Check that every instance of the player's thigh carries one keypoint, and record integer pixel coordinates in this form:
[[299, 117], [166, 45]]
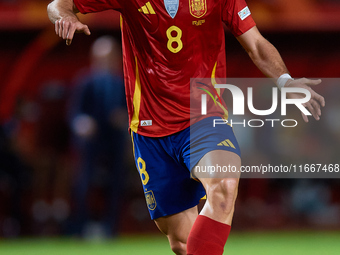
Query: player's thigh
[[221, 187], [218, 164], [177, 226], [224, 177]]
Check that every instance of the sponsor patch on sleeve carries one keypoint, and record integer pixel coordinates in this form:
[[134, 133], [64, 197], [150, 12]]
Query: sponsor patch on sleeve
[[244, 13]]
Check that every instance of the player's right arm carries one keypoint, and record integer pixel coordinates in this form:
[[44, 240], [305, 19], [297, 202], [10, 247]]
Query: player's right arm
[[63, 14]]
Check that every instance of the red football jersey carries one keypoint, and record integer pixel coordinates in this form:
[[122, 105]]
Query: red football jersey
[[165, 44]]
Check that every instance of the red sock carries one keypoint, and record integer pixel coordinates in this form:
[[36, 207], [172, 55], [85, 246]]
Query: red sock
[[207, 237]]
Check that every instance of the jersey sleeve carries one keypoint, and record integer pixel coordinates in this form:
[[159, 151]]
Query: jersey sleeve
[[236, 15], [87, 6]]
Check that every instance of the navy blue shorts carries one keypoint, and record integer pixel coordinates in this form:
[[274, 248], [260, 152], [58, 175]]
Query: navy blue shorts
[[164, 164]]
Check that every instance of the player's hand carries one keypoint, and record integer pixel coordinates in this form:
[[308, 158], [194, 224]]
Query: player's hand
[[66, 27], [315, 103]]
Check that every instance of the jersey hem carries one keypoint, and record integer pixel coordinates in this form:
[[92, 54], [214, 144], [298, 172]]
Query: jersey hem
[[160, 135]]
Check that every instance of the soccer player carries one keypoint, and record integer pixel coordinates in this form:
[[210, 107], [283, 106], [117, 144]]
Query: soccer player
[[165, 43]]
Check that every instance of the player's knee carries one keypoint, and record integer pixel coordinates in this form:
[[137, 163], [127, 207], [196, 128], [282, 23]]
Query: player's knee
[[229, 187], [178, 247], [225, 187], [223, 193]]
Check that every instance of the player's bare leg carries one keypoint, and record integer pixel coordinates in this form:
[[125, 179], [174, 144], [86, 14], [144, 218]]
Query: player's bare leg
[[221, 192], [211, 229], [177, 228]]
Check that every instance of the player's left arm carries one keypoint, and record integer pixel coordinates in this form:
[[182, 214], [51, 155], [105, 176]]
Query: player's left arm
[[266, 57]]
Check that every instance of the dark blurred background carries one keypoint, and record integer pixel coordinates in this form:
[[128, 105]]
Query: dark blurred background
[[58, 176]]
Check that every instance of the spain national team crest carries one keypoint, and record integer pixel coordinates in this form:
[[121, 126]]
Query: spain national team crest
[[198, 8], [150, 200]]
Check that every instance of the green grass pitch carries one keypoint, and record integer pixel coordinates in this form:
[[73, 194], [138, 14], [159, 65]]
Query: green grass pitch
[[262, 243]]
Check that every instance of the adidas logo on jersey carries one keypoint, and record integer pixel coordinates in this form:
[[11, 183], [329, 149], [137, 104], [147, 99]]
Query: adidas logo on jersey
[[227, 143], [145, 123], [147, 9]]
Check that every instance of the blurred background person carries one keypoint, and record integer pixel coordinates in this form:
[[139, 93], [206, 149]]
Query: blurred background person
[[98, 119]]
